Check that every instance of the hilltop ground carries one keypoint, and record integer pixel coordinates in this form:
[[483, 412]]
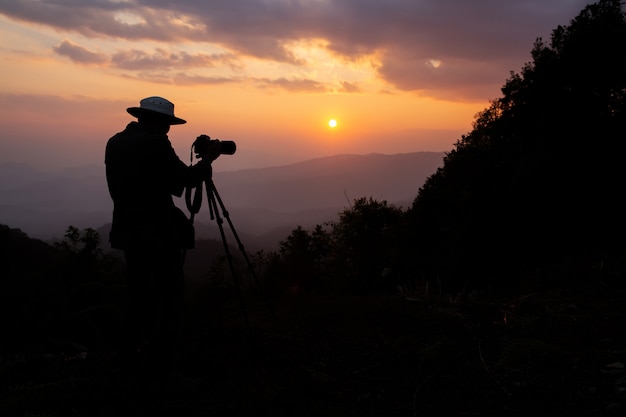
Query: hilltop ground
[[558, 353]]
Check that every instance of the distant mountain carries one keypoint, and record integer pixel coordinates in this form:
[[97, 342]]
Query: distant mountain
[[329, 182], [262, 203]]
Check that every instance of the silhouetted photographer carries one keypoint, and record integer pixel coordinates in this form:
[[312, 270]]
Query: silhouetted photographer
[[143, 173]]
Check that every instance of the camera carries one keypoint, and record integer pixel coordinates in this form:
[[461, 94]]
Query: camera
[[201, 145]]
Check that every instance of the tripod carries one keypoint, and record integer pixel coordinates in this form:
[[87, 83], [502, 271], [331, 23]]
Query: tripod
[[214, 200]]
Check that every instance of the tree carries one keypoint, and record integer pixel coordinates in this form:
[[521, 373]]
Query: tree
[[367, 238], [86, 244], [539, 177], [346, 256], [301, 263]]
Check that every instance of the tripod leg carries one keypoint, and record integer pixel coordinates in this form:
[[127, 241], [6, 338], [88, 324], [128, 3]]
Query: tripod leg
[[216, 198], [229, 258]]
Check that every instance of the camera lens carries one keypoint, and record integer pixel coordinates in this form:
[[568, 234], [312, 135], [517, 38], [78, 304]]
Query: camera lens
[[227, 147]]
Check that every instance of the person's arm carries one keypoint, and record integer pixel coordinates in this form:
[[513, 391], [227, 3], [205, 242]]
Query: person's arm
[[183, 175]]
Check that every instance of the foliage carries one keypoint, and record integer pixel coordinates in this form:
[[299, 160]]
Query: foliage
[[348, 255], [86, 243], [84, 256], [367, 237], [538, 179], [50, 291]]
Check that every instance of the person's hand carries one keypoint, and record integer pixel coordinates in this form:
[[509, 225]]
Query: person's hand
[[204, 169]]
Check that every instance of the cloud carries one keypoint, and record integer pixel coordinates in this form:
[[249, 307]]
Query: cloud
[[187, 79], [180, 78], [155, 67], [108, 18], [79, 54], [295, 85], [475, 43], [347, 87], [140, 60], [459, 78]]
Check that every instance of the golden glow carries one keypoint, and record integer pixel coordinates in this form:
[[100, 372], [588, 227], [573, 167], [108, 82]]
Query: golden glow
[[275, 111]]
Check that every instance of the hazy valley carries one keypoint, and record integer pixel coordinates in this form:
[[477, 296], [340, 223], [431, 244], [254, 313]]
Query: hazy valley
[[264, 204]]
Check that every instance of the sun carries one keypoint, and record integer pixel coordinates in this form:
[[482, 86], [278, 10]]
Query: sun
[[332, 123]]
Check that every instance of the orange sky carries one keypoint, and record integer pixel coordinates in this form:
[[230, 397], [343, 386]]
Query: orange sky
[[398, 76]]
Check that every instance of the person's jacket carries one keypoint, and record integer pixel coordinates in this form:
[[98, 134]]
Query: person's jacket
[[143, 172]]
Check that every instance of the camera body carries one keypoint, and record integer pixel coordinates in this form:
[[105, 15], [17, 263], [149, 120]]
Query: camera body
[[202, 143]]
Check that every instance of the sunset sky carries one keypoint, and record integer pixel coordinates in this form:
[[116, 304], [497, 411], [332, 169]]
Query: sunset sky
[[397, 75]]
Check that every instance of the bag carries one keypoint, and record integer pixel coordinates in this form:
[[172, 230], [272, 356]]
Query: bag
[[184, 229]]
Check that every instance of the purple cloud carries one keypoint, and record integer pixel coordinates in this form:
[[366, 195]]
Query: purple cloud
[[293, 85], [476, 43], [161, 58], [79, 54]]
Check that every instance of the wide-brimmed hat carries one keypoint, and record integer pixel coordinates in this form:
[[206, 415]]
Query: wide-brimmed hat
[[159, 106]]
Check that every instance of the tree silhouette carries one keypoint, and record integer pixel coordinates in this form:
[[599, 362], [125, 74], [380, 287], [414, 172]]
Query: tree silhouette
[[538, 179], [344, 256], [367, 237]]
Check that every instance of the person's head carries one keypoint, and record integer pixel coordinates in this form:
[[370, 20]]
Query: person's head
[[156, 113]]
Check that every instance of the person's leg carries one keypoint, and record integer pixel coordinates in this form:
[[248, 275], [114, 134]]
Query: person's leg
[[169, 295], [140, 303]]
